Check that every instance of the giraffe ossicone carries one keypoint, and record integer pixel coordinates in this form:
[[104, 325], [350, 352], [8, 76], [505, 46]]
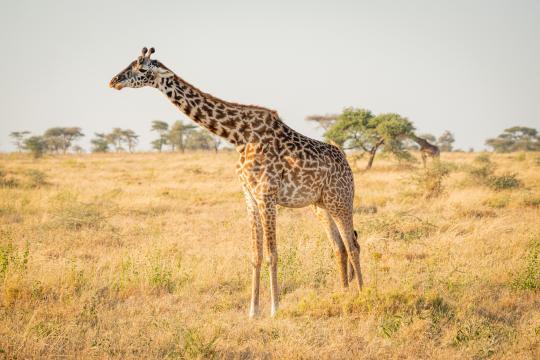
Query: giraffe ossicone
[[277, 166]]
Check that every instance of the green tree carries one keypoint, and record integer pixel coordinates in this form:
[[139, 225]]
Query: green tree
[[18, 139], [177, 135], [61, 138], [100, 143], [36, 145], [131, 139], [161, 128], [516, 138], [446, 141], [324, 121], [116, 138], [199, 140], [360, 129], [215, 142]]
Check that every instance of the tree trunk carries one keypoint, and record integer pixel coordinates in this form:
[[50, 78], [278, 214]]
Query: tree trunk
[[372, 154], [371, 158]]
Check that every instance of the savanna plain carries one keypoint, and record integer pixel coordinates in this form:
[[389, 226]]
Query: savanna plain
[[148, 256]]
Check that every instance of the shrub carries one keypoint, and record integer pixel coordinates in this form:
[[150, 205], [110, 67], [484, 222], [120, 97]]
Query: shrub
[[12, 260], [69, 213], [497, 202], [504, 181], [36, 178], [429, 181], [7, 180], [529, 278], [482, 159], [481, 172]]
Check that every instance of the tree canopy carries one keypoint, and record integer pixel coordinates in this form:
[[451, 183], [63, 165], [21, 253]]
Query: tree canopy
[[516, 138], [446, 141], [358, 128]]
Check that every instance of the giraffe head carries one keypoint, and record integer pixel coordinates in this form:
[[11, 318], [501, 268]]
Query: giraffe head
[[141, 72]]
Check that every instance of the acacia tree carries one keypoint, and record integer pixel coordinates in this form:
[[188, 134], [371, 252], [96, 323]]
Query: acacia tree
[[215, 142], [61, 138], [516, 138], [18, 139], [199, 140], [446, 141], [360, 129], [324, 121], [177, 135], [116, 138], [36, 145], [161, 128], [100, 143], [131, 139]]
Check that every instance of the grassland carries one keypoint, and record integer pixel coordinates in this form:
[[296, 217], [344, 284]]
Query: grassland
[[147, 256]]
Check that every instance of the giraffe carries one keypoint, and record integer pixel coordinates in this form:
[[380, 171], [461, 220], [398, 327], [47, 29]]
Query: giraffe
[[277, 166], [426, 149]]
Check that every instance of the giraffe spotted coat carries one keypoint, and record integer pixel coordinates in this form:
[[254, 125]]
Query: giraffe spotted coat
[[277, 166]]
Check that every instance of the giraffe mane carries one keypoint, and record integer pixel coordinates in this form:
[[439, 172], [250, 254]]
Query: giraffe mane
[[214, 98]]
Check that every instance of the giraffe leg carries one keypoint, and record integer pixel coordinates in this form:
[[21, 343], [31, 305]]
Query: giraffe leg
[[267, 211], [256, 252], [424, 159], [350, 265], [344, 224], [333, 234]]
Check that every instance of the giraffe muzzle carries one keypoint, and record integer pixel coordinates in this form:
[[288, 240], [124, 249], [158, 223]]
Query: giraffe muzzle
[[115, 84]]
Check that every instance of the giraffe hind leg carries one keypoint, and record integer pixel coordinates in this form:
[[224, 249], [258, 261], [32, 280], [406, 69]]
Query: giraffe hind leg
[[350, 266]]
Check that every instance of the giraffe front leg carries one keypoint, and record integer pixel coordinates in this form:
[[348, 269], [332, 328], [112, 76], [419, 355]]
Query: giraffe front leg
[[343, 219], [333, 234], [267, 211], [256, 252]]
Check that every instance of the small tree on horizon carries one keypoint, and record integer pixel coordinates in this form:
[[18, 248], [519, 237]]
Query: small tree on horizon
[[177, 135], [100, 143], [323, 121], [516, 138], [116, 138], [36, 145], [161, 128], [199, 139], [18, 139], [131, 139], [61, 138], [446, 141]]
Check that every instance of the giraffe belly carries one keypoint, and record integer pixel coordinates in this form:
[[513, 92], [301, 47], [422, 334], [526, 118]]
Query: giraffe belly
[[298, 195]]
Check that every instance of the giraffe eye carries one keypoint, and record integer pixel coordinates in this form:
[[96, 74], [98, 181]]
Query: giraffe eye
[[143, 70]]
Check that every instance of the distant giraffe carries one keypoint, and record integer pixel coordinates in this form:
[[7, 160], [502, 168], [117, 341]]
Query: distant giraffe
[[277, 166], [426, 149]]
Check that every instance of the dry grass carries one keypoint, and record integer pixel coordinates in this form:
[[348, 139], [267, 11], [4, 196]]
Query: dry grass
[[147, 256]]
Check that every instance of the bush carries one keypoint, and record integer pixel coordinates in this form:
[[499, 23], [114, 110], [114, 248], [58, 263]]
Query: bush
[[6, 180], [429, 181], [36, 178], [504, 182], [69, 213], [483, 173], [529, 278], [482, 159]]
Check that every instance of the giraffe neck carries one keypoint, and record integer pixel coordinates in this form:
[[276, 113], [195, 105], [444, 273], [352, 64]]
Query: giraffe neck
[[236, 123], [419, 141]]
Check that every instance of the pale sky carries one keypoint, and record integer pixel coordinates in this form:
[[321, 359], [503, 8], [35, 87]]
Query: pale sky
[[472, 67]]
